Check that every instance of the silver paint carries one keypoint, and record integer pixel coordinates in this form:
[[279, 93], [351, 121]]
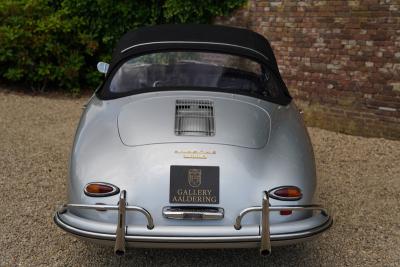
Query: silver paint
[[130, 142]]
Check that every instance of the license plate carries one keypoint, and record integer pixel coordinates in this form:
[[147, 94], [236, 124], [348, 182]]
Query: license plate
[[194, 185]]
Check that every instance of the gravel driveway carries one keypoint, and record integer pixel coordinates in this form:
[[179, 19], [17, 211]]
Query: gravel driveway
[[359, 181]]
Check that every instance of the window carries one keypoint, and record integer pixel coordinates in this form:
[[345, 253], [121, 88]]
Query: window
[[183, 70]]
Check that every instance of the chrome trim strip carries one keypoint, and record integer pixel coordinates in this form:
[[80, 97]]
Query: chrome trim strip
[[189, 42], [265, 247], [119, 248], [193, 213]]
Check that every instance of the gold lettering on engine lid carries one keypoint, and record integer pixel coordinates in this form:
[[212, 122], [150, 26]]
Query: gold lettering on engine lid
[[195, 154]]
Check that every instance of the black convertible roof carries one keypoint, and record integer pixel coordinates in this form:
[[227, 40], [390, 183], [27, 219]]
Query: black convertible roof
[[199, 37], [211, 38]]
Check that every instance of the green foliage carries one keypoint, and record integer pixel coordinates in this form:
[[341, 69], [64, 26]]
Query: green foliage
[[57, 43]]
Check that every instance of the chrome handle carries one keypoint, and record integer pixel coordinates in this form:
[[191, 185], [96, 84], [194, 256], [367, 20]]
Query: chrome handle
[[193, 213]]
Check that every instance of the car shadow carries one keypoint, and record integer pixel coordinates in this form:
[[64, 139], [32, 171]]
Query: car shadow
[[288, 255]]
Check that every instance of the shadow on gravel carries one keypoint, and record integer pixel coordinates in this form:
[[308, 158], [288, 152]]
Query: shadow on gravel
[[289, 255]]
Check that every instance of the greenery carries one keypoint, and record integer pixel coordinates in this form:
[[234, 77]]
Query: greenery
[[57, 43]]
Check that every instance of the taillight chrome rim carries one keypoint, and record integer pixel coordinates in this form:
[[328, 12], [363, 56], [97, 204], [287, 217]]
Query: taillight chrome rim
[[273, 193], [113, 190]]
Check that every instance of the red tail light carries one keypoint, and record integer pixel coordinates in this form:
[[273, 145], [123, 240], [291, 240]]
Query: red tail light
[[100, 190], [290, 193], [285, 212]]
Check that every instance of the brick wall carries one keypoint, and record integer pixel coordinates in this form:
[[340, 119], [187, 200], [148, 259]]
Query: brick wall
[[339, 59]]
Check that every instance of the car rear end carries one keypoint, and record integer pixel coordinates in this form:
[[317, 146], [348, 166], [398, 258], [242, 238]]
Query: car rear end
[[193, 170]]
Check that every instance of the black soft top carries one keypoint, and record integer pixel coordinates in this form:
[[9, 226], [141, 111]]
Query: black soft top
[[194, 36], [212, 38]]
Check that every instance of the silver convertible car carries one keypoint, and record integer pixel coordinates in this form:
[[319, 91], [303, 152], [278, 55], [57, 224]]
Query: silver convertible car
[[192, 141]]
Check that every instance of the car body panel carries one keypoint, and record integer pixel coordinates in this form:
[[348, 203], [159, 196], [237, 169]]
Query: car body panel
[[232, 115], [99, 155]]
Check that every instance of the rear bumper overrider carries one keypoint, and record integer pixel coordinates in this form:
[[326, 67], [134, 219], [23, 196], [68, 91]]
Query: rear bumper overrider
[[321, 222]]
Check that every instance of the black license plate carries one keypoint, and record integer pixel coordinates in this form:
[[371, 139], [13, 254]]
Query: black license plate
[[194, 185]]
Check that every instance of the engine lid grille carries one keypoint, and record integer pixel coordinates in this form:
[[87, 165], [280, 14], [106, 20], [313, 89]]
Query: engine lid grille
[[194, 118]]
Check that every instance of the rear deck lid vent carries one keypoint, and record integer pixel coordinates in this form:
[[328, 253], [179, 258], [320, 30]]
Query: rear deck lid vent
[[194, 118]]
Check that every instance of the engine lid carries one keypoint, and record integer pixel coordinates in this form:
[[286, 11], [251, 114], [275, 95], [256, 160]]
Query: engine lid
[[166, 119]]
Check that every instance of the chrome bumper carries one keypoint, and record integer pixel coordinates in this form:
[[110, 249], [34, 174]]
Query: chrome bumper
[[264, 240]]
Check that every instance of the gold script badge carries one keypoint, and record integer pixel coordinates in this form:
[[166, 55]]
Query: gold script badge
[[195, 154]]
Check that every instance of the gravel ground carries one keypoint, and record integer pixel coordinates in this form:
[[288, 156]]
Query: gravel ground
[[359, 180]]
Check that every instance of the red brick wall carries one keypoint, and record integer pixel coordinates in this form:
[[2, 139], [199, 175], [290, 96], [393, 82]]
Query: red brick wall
[[339, 59]]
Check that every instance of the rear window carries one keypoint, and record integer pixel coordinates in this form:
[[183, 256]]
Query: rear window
[[182, 70]]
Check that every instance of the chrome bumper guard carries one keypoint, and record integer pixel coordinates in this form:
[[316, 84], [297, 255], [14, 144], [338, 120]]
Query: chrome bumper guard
[[122, 207], [265, 247]]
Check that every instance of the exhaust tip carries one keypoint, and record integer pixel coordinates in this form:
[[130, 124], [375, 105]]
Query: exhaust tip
[[119, 252], [265, 252]]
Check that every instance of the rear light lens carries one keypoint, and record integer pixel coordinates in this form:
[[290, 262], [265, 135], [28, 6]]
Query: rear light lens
[[100, 189], [285, 212], [290, 193]]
